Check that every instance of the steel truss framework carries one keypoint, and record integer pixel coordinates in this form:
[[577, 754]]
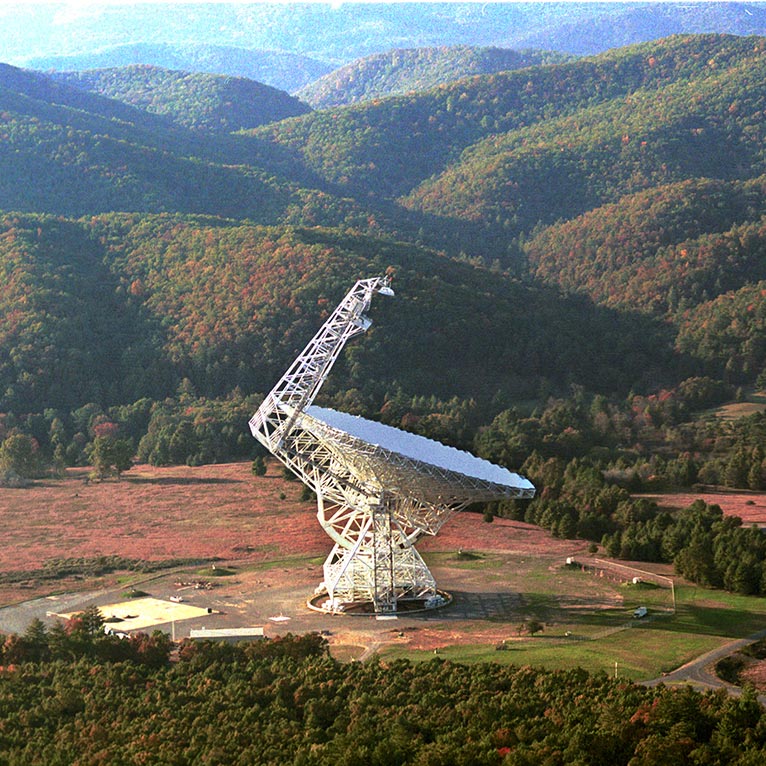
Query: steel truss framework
[[373, 502]]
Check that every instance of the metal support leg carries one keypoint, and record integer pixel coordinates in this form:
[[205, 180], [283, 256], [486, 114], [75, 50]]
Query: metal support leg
[[384, 585]]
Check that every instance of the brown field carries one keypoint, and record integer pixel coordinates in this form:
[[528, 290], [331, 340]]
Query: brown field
[[215, 511], [470, 532], [755, 402], [749, 506], [156, 514]]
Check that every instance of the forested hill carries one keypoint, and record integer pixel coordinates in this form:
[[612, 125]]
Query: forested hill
[[472, 164], [402, 71], [453, 139], [67, 151], [661, 250], [128, 306], [199, 101], [706, 122], [641, 167]]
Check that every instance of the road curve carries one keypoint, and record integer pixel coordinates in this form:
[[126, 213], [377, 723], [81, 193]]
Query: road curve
[[697, 673]]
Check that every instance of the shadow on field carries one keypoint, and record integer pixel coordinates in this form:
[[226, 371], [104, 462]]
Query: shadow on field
[[178, 480], [467, 605], [502, 606], [710, 620], [590, 610]]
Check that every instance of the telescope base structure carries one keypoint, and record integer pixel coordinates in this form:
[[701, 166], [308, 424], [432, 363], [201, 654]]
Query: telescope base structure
[[379, 489], [318, 603], [374, 563]]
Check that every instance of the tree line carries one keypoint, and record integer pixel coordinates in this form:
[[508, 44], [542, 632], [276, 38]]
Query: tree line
[[590, 458], [72, 694]]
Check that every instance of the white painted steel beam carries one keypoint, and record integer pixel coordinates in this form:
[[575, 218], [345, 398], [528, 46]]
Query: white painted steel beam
[[378, 489]]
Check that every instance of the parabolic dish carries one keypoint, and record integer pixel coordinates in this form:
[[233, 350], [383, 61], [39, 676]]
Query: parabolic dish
[[420, 449]]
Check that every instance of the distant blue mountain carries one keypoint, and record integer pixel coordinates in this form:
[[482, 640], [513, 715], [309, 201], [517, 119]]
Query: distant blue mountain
[[286, 71], [288, 45], [629, 23]]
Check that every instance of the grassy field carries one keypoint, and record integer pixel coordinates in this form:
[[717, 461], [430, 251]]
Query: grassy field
[[604, 638], [502, 574], [752, 403], [638, 655]]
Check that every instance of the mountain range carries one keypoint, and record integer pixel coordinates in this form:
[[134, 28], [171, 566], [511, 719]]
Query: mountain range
[[402, 71], [586, 221], [288, 45]]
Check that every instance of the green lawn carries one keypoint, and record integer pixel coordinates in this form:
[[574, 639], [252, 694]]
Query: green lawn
[[588, 624], [638, 654]]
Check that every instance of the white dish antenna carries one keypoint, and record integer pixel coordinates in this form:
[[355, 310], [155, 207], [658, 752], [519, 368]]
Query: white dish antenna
[[379, 489], [426, 452]]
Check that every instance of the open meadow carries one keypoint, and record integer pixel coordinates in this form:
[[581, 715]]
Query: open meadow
[[152, 515], [749, 506], [752, 403], [504, 576]]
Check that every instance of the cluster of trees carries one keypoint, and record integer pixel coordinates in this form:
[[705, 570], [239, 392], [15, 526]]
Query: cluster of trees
[[588, 457], [84, 636], [285, 701], [176, 430], [719, 552], [89, 635], [621, 435], [195, 432], [704, 546], [20, 459]]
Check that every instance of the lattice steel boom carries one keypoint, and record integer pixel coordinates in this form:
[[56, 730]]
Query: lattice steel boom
[[378, 489]]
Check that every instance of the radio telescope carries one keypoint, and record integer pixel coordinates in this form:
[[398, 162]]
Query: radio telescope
[[379, 489]]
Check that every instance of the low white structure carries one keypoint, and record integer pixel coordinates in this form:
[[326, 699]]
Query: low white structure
[[227, 634]]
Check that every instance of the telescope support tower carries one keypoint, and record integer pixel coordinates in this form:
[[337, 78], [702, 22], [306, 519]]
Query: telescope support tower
[[373, 501]]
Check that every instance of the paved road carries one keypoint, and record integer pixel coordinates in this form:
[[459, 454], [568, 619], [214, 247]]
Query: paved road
[[697, 673]]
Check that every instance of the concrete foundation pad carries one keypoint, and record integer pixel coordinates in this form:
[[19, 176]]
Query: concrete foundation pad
[[140, 613]]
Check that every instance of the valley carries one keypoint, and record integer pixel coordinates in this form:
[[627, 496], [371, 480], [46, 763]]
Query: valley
[[260, 548], [570, 202]]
